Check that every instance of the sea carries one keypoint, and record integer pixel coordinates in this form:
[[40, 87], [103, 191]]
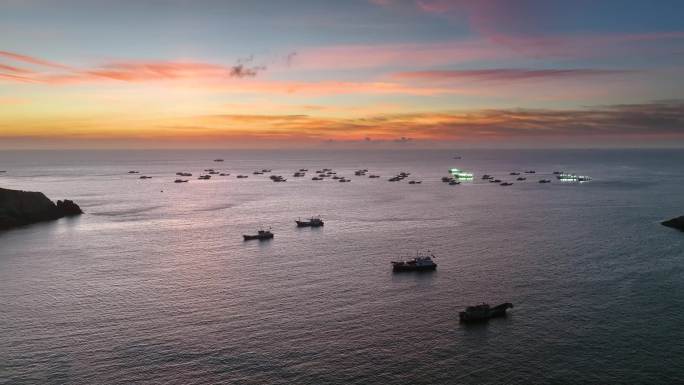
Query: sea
[[155, 284]]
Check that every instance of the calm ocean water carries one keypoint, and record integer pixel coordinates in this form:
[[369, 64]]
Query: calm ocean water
[[155, 284]]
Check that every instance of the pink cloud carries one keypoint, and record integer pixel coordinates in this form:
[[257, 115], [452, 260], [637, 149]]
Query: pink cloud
[[168, 70], [212, 77], [9, 68], [31, 60], [494, 48], [17, 78], [126, 71], [522, 26]]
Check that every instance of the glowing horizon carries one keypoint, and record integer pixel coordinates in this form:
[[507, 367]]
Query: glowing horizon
[[380, 72]]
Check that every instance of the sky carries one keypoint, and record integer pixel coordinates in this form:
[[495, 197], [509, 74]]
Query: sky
[[354, 73]]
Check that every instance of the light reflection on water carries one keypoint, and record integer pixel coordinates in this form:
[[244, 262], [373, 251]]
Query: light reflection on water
[[160, 287]]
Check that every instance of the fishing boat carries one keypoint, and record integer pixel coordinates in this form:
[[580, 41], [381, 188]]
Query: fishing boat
[[261, 235], [422, 262], [312, 222], [483, 312], [460, 174], [564, 177]]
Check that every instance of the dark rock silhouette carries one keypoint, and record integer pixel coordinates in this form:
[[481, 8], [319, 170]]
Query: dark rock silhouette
[[19, 208], [675, 223]]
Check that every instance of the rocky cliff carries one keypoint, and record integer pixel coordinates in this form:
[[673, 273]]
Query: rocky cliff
[[19, 208], [676, 223]]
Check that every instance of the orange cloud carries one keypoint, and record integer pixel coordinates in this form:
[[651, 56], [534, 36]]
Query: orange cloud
[[652, 120]]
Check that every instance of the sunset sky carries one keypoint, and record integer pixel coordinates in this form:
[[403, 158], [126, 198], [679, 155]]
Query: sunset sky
[[315, 73]]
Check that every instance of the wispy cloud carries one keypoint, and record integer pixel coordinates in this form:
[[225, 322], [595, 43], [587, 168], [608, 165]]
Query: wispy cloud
[[127, 71], [9, 68], [506, 74], [527, 28], [211, 76], [31, 60], [492, 49], [402, 55], [136, 71], [242, 71]]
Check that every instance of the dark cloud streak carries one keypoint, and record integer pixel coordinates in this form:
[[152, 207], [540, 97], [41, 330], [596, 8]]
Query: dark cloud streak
[[507, 74]]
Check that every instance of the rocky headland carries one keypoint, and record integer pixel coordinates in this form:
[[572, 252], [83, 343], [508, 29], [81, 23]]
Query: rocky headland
[[20, 208], [675, 223]]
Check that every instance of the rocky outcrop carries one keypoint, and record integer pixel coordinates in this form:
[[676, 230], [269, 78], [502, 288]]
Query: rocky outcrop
[[675, 223], [19, 208]]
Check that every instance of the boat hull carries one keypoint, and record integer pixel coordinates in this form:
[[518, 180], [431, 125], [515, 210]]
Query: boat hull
[[257, 237], [483, 316], [404, 268], [308, 224]]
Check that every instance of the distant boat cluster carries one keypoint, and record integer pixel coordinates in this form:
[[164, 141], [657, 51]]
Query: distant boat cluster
[[455, 176]]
